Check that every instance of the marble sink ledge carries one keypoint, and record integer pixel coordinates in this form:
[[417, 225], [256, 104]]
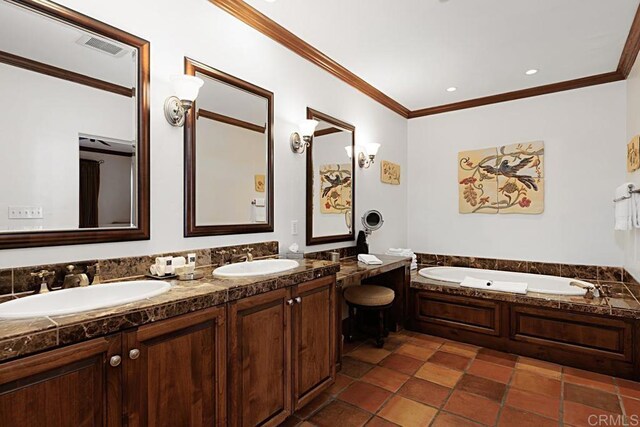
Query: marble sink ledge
[[21, 337]]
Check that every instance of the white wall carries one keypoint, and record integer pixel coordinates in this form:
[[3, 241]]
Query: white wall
[[583, 132], [632, 239], [212, 36], [227, 160], [39, 143]]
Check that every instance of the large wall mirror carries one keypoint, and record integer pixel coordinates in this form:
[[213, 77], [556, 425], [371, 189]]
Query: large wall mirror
[[330, 181], [228, 156], [75, 131]]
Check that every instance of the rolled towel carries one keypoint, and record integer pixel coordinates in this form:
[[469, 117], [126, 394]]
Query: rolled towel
[[635, 209], [623, 208], [369, 259], [492, 285]]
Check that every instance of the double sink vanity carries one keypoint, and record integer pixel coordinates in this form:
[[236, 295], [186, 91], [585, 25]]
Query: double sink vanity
[[243, 346]]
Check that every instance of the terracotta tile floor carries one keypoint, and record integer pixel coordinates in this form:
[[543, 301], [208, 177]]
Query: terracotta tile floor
[[420, 380]]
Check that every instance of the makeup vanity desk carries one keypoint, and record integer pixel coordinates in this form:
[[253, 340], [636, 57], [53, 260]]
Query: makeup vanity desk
[[394, 273]]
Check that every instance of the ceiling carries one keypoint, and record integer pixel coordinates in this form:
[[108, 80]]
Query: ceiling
[[413, 50]]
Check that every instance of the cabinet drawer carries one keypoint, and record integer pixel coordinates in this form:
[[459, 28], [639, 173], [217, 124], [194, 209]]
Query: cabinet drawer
[[458, 312], [594, 335]]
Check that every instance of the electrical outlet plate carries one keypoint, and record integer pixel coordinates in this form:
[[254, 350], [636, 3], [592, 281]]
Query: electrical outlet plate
[[25, 212]]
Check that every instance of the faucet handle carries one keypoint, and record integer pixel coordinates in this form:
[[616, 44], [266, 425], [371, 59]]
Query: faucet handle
[[43, 274], [70, 268], [247, 249]]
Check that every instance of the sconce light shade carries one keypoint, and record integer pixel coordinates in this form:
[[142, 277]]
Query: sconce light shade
[[186, 87], [368, 154], [372, 148], [301, 140], [186, 90], [349, 151]]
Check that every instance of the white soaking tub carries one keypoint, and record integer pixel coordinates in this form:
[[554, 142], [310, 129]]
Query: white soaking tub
[[539, 283]]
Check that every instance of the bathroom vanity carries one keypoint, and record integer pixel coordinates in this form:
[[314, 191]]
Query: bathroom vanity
[[246, 351]]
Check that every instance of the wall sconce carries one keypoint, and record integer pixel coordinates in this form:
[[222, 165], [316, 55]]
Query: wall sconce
[[301, 140], [186, 90], [368, 154]]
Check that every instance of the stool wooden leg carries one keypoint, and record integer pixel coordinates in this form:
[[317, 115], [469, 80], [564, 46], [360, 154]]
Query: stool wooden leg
[[352, 323], [380, 340]]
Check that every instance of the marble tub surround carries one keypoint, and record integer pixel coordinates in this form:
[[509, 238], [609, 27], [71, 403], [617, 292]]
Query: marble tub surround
[[18, 280], [28, 336], [623, 301], [574, 271], [353, 272]]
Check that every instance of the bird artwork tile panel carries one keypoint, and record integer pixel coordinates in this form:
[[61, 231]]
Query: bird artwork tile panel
[[507, 180], [335, 188]]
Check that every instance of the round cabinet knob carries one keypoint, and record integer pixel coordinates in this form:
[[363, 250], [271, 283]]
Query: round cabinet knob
[[289, 302], [298, 300], [134, 354], [115, 361]]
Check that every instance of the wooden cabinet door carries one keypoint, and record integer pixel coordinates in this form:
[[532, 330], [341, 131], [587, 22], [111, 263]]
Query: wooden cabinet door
[[260, 359], [314, 339], [175, 371], [71, 386]]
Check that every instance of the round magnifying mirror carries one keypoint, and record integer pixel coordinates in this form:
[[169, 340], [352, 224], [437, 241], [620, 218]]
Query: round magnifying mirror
[[372, 220]]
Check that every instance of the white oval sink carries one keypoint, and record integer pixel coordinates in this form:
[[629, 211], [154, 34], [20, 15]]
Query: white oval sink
[[76, 300], [256, 268]]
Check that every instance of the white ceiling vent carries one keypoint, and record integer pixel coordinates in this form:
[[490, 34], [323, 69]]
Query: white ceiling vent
[[101, 45]]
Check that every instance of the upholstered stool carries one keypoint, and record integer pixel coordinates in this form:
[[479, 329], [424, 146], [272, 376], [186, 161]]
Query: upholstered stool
[[368, 298]]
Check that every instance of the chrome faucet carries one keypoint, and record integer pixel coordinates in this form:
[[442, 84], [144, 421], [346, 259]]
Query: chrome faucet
[[72, 280], [43, 274]]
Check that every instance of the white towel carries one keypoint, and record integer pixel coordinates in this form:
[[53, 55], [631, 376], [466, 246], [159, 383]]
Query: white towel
[[259, 210], [491, 285], [623, 208], [635, 209], [408, 253], [369, 259]]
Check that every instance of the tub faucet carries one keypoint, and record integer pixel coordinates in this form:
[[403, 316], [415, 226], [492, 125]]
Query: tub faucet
[[592, 291], [42, 275]]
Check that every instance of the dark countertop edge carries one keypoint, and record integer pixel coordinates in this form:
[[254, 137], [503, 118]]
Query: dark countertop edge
[[389, 263], [540, 300], [51, 335]]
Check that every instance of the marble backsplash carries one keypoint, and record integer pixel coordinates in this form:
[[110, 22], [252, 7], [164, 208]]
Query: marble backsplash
[[574, 271], [346, 252], [18, 280]]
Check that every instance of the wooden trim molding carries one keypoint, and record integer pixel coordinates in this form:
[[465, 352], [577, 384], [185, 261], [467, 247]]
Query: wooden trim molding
[[206, 114], [631, 47], [519, 94], [105, 151], [278, 33], [273, 30], [327, 131], [61, 73]]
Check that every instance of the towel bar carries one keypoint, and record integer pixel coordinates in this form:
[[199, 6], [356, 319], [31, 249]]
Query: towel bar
[[631, 191]]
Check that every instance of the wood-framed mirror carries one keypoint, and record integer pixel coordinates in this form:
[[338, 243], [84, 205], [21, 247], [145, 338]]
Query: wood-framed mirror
[[228, 163], [330, 181], [75, 163]]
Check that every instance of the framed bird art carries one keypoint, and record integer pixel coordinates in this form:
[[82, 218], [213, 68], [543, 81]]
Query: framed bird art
[[506, 180], [335, 188]]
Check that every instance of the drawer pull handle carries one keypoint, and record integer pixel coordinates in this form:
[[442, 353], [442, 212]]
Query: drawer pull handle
[[115, 361], [134, 354], [289, 302], [298, 300]]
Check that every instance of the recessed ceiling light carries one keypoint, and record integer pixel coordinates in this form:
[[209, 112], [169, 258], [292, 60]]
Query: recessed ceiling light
[[531, 72], [452, 89]]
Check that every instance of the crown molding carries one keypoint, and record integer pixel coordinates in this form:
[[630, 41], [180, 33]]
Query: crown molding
[[278, 33]]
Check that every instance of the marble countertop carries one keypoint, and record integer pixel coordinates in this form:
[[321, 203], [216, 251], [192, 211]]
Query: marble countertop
[[352, 271], [27, 336], [623, 301]]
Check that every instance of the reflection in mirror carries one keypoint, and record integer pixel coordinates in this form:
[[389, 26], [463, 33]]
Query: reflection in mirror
[[71, 137], [229, 156], [330, 181]]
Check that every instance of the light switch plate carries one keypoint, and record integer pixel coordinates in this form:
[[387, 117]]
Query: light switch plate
[[294, 227], [25, 212]]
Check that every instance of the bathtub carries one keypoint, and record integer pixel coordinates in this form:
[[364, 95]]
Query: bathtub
[[539, 283]]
